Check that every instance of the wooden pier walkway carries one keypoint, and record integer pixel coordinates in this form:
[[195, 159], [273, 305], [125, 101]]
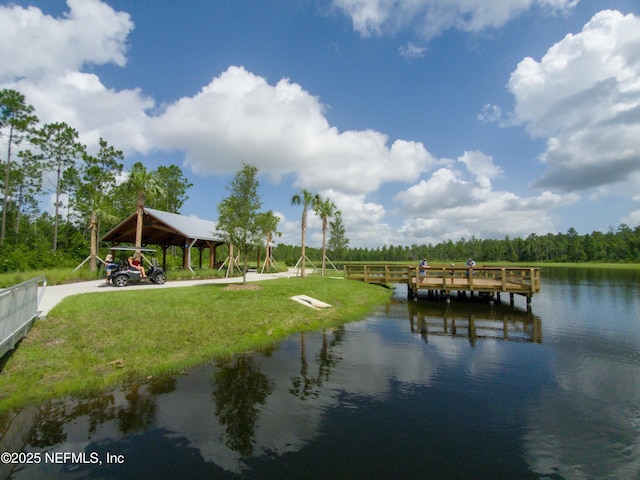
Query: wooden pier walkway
[[445, 279]]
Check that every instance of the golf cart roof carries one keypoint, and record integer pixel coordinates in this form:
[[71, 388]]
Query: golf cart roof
[[132, 249]]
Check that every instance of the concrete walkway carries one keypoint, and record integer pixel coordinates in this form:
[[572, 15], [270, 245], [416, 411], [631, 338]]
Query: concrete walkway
[[55, 293]]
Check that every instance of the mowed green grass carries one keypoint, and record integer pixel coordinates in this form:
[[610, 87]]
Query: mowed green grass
[[93, 341]]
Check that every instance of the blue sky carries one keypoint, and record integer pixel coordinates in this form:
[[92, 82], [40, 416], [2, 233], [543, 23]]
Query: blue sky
[[423, 120]]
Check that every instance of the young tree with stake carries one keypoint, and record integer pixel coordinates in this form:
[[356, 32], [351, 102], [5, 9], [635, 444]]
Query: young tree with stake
[[239, 219]]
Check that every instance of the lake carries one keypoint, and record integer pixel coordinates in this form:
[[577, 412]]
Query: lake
[[419, 389]]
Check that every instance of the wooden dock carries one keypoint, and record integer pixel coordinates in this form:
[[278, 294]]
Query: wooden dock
[[443, 280]]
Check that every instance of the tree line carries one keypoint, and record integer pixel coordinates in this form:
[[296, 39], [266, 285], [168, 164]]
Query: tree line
[[91, 193], [621, 244]]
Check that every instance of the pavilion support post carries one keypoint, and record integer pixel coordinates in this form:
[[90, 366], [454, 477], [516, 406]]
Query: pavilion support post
[[212, 255], [164, 257]]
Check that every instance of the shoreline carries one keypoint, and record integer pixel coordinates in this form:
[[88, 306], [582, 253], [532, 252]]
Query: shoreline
[[86, 345]]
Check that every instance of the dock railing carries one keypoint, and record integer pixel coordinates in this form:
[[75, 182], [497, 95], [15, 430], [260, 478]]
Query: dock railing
[[491, 279], [18, 310], [378, 273], [520, 280]]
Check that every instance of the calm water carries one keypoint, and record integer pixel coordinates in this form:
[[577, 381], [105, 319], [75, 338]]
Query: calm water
[[418, 390]]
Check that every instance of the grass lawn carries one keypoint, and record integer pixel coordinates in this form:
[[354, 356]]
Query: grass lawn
[[93, 341]]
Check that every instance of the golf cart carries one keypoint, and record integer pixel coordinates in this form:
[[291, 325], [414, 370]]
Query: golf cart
[[121, 273]]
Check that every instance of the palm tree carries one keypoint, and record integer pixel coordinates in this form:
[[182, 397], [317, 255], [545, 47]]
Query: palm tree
[[325, 209], [269, 224], [306, 199], [145, 186]]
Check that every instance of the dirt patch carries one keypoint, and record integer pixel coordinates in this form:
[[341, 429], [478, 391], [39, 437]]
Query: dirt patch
[[248, 286], [54, 343]]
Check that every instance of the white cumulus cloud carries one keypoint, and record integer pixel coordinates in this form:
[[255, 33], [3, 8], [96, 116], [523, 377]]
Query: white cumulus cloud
[[32, 43], [281, 128], [583, 96], [432, 17], [461, 202], [43, 57]]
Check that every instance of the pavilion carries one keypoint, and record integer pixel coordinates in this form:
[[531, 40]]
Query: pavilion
[[165, 230]]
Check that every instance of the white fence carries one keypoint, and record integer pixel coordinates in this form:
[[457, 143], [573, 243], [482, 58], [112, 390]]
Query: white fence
[[18, 310]]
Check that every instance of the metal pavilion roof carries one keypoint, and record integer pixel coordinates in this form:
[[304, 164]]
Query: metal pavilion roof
[[165, 229]]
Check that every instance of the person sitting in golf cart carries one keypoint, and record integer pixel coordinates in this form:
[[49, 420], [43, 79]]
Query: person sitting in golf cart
[[134, 262]]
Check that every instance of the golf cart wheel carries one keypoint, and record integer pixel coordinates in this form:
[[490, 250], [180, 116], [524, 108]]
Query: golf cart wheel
[[120, 281], [160, 279]]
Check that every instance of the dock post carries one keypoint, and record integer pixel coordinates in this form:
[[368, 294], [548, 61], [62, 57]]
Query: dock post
[[511, 299]]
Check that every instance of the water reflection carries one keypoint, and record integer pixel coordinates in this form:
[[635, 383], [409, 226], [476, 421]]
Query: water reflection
[[133, 413], [585, 423], [307, 385], [239, 387], [473, 321], [418, 390], [78, 421]]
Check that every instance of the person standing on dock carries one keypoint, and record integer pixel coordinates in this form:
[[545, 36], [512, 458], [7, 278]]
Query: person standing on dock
[[470, 265], [423, 269]]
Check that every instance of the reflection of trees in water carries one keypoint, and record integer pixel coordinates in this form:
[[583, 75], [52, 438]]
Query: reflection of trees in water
[[52, 416], [269, 350], [303, 386], [327, 358], [139, 410], [162, 384], [49, 430], [239, 387], [307, 386]]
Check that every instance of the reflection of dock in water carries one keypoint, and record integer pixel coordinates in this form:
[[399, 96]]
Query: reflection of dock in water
[[474, 322]]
